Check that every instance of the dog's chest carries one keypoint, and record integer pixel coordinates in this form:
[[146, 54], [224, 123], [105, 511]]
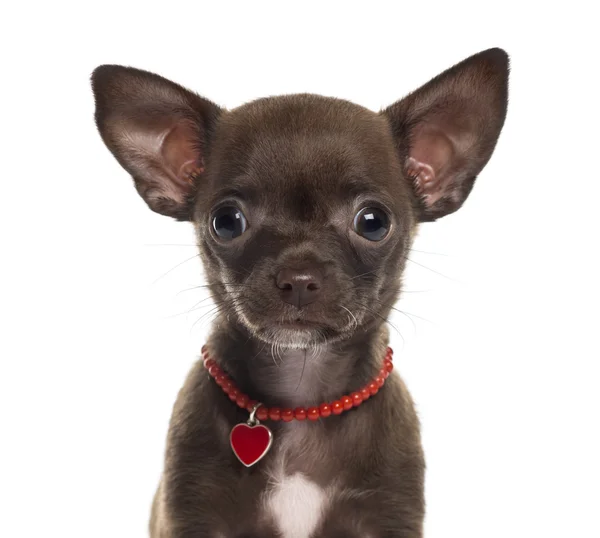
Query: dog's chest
[[295, 504], [292, 499], [301, 491]]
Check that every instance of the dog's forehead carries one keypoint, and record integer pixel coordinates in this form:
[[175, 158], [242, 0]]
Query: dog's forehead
[[304, 144], [306, 138]]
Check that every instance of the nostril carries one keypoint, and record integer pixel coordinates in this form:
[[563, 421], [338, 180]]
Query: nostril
[[299, 287]]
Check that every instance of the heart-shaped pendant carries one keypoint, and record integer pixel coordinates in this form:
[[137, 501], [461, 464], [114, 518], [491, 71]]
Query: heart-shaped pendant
[[251, 441]]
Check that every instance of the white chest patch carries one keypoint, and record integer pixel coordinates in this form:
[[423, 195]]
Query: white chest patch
[[296, 504]]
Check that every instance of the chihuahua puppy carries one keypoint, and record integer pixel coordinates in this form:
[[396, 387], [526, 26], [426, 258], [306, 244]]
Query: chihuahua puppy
[[305, 208]]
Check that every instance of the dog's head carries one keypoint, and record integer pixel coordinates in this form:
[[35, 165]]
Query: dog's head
[[304, 206]]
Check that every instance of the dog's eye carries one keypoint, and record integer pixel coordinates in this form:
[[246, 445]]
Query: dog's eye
[[372, 223], [229, 222]]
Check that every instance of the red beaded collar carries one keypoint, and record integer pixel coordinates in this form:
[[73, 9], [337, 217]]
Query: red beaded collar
[[250, 441]]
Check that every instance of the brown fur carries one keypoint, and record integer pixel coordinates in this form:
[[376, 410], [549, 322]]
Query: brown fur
[[299, 167]]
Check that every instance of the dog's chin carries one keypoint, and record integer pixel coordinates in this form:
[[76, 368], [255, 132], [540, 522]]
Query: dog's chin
[[299, 335], [292, 337]]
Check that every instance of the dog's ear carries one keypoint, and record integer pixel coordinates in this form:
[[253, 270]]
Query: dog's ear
[[446, 130], [158, 131]]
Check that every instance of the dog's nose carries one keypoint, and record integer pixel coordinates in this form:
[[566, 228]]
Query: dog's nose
[[300, 286]]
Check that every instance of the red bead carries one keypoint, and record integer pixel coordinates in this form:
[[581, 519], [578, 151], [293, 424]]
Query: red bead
[[373, 388], [250, 406], [380, 381], [312, 413], [390, 351], [299, 413], [203, 348], [356, 398], [346, 402], [365, 393], [275, 413], [233, 394], [388, 366], [325, 410], [214, 370], [262, 413], [208, 363], [220, 379], [242, 400], [228, 386], [337, 407], [287, 415]]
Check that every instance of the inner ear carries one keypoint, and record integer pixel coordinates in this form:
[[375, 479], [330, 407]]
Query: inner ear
[[183, 160], [428, 164], [165, 159]]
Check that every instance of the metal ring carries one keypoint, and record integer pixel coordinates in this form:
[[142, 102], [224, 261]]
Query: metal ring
[[253, 421]]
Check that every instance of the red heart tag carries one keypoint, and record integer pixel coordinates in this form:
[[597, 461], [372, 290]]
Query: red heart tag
[[250, 443]]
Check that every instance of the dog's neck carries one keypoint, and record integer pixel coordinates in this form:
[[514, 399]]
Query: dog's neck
[[287, 377]]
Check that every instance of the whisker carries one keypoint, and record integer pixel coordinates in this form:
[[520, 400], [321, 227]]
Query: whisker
[[384, 319], [173, 268], [168, 245], [260, 351], [353, 316], [275, 353], [316, 347], [430, 269], [391, 305], [427, 252], [408, 317], [192, 309], [208, 286], [216, 309], [411, 314], [213, 313], [413, 291], [240, 273], [369, 288], [302, 372], [364, 274]]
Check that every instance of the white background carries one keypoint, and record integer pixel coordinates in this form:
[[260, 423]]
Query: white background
[[503, 357]]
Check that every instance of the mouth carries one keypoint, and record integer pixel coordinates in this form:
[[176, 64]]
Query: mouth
[[300, 333], [300, 324]]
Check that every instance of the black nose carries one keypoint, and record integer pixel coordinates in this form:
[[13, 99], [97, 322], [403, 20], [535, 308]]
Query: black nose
[[300, 286]]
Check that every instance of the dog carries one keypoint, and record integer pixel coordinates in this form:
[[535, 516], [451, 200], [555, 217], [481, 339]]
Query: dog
[[291, 424]]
